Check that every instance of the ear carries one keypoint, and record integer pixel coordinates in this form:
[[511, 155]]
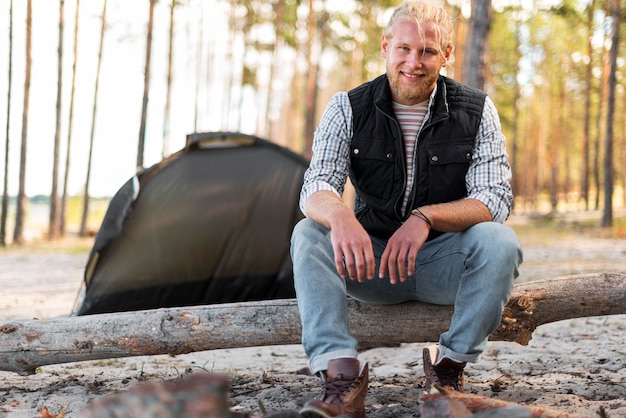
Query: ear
[[384, 46], [446, 55]]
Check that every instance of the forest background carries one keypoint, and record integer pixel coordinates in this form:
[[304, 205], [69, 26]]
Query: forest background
[[96, 90]]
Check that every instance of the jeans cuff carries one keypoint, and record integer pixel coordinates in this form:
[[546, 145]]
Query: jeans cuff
[[453, 355], [320, 363]]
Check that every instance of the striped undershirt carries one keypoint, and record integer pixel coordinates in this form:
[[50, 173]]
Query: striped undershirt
[[410, 118]]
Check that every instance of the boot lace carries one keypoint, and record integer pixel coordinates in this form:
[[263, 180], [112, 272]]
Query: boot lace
[[448, 376], [333, 391]]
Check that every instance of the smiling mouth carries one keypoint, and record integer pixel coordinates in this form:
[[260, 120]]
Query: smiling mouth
[[413, 76]]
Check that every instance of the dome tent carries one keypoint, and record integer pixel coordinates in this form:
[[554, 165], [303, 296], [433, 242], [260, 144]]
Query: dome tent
[[209, 224]]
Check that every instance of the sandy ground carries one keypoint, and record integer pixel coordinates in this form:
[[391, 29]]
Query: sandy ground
[[576, 366]]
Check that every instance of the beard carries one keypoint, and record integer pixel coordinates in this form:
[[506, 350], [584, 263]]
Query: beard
[[404, 94]]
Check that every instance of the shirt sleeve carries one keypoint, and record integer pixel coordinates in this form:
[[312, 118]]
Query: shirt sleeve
[[329, 166], [489, 175]]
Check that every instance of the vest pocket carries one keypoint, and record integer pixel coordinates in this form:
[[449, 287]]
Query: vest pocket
[[447, 167], [450, 154], [372, 164]]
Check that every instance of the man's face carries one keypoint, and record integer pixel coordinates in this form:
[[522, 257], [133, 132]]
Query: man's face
[[413, 61]]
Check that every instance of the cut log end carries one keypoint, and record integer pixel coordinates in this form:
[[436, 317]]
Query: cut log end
[[518, 323]]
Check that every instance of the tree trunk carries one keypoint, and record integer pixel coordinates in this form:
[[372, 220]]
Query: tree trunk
[[311, 80], [168, 95], [54, 225], [70, 125], [515, 137], [587, 114], [18, 233], [5, 192], [229, 64], [607, 214], [604, 85], [266, 119], [623, 156], [26, 345], [146, 88], [460, 38], [83, 224], [474, 65], [199, 75]]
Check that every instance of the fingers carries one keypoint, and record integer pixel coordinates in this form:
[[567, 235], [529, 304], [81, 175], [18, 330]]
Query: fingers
[[394, 263], [340, 264], [398, 259], [356, 269], [398, 263], [356, 265]]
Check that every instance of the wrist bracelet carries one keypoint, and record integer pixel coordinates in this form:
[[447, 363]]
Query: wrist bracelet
[[420, 214]]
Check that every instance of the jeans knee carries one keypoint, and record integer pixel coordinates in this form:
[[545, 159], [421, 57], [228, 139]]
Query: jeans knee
[[309, 239], [306, 231], [499, 240]]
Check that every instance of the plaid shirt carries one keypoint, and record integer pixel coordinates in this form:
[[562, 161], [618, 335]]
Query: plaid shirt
[[487, 179]]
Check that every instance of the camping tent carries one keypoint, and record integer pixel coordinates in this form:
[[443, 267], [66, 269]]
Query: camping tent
[[209, 224]]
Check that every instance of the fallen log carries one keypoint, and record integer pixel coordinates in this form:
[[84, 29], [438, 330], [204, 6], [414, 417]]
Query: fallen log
[[477, 403], [28, 344]]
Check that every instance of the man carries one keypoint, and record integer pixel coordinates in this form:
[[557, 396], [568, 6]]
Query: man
[[427, 159]]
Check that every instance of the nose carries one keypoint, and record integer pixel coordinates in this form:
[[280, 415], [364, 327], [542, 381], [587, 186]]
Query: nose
[[414, 59]]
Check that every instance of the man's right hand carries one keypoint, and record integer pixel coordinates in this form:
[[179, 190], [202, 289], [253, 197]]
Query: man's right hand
[[354, 256], [352, 247]]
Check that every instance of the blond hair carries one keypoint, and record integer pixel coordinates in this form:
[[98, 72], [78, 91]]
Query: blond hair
[[424, 12]]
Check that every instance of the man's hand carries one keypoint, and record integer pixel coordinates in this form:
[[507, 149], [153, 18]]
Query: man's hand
[[399, 256], [352, 247], [354, 256]]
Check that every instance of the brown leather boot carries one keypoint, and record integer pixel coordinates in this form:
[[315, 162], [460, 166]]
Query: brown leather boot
[[445, 373], [344, 391]]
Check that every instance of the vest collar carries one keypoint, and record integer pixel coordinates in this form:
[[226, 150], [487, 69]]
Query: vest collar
[[439, 109], [438, 101]]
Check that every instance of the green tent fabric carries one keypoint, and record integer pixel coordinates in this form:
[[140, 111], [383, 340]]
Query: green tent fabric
[[209, 224]]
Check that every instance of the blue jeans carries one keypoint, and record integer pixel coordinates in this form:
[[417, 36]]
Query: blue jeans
[[473, 270]]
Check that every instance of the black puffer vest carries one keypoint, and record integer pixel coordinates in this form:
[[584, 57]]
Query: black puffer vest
[[377, 162]]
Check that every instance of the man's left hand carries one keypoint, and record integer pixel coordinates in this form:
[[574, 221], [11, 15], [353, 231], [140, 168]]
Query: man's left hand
[[398, 259]]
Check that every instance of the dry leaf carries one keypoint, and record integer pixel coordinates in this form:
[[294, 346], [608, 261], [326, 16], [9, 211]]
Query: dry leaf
[[46, 414]]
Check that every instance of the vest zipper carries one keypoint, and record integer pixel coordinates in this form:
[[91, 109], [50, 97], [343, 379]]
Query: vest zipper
[[403, 157], [427, 125]]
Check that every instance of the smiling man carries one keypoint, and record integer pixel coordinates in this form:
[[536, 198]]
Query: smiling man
[[427, 158]]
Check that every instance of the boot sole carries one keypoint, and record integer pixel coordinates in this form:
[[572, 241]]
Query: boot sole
[[313, 413], [316, 413]]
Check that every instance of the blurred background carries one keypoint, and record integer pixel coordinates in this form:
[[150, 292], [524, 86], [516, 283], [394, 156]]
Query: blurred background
[[91, 91]]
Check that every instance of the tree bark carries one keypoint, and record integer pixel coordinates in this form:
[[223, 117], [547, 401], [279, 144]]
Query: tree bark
[[312, 53], [587, 111], [20, 210], [477, 403], [603, 94], [168, 92], [607, 213], [70, 125], [480, 24], [146, 88], [54, 224], [86, 197], [26, 345], [5, 189]]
